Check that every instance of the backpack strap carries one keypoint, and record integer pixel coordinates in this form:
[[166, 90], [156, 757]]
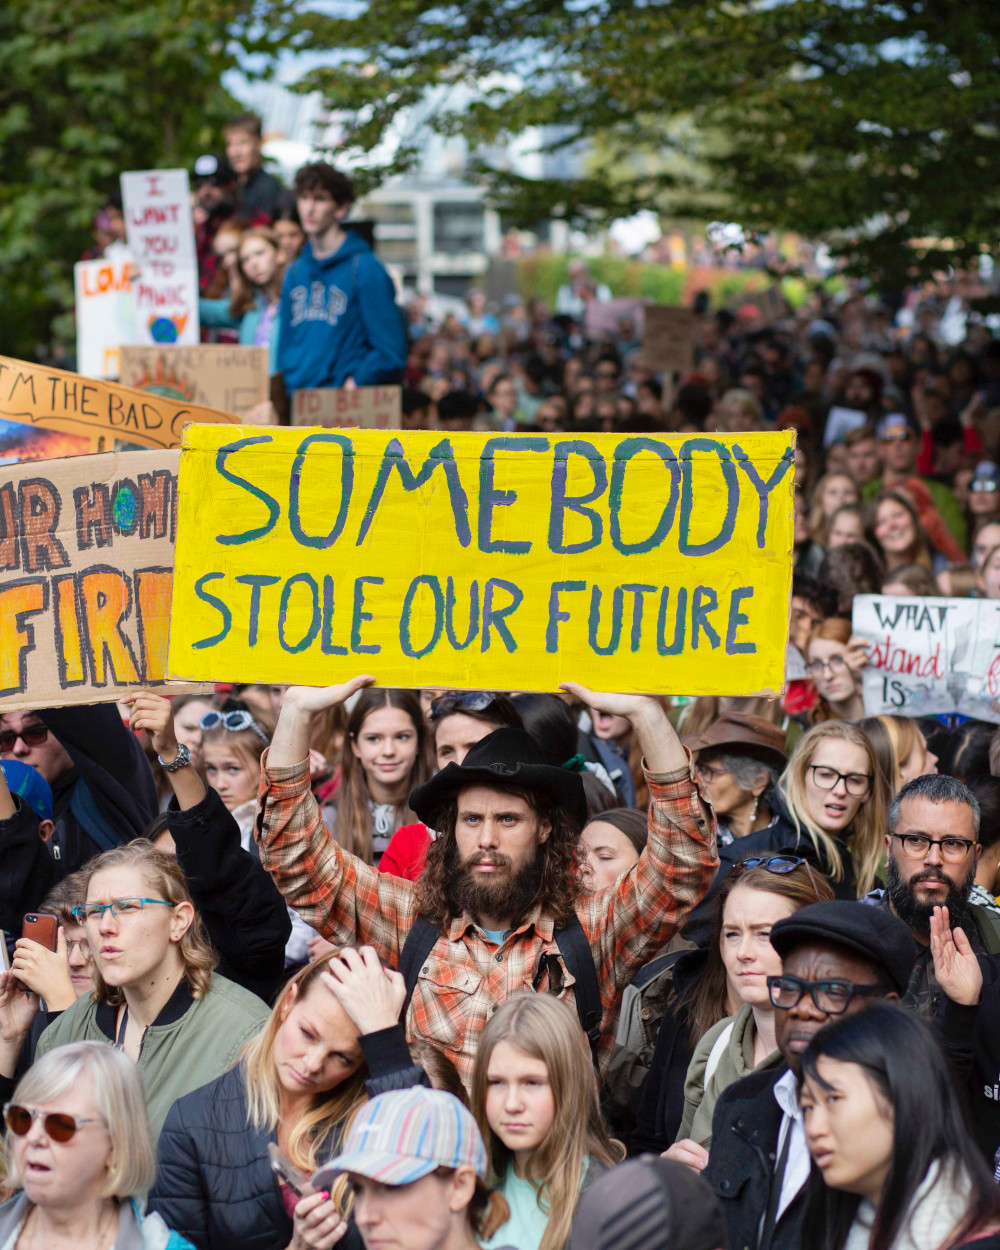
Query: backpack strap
[[716, 1053], [418, 945], [579, 960]]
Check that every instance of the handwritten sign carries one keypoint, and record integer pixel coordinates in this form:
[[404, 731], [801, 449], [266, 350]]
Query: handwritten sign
[[160, 233], [214, 375], [86, 552], [101, 412], [105, 314], [364, 407], [930, 655], [668, 338], [473, 560]]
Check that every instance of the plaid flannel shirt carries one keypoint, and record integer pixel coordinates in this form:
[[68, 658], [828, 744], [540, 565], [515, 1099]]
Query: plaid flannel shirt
[[466, 977]]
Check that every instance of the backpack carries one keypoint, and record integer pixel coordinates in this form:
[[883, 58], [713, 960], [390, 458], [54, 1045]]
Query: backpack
[[576, 955]]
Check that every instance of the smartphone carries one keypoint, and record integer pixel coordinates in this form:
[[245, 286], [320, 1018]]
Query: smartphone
[[296, 1180], [43, 929]]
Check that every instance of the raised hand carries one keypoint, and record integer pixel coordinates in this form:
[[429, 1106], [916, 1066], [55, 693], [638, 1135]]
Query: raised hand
[[627, 705], [155, 714], [661, 748], [17, 1009], [313, 699], [956, 967], [46, 973]]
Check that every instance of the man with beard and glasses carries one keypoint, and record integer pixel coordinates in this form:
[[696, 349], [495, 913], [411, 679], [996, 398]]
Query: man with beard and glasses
[[500, 887], [932, 849]]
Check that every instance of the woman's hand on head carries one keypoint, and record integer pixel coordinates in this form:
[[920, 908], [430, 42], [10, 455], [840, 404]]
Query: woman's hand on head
[[155, 714], [371, 995], [318, 1224], [313, 699]]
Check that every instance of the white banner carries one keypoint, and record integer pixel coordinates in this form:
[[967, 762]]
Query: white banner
[[930, 655], [160, 230], [105, 314]]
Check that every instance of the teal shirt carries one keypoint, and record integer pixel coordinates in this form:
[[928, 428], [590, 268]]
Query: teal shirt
[[527, 1222]]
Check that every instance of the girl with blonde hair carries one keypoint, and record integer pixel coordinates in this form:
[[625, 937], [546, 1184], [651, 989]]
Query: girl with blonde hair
[[832, 492], [332, 1040], [155, 994], [834, 797], [900, 748], [256, 273], [535, 1098]]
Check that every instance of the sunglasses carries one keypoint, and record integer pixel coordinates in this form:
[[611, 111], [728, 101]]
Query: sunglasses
[[58, 1126], [30, 735], [235, 722], [471, 701], [979, 485], [903, 436]]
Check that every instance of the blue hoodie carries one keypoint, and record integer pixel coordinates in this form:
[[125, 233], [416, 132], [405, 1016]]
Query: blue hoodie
[[339, 320]]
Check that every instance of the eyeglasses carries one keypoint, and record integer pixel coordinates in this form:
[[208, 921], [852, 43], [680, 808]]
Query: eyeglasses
[[903, 436], [980, 484], [836, 664], [856, 784], [831, 997], [57, 1124], [454, 701], [235, 722], [708, 771], [30, 735], [120, 907], [779, 864], [918, 845], [82, 945]]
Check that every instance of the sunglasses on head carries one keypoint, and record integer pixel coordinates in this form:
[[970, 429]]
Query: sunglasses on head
[[235, 722], [30, 735], [900, 436], [58, 1125], [456, 701]]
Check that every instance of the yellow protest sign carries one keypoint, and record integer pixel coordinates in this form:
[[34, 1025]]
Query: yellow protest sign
[[509, 562], [107, 415]]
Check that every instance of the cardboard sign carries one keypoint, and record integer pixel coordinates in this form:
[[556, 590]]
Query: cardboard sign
[[364, 407], [87, 553], [215, 375], [600, 321], [105, 314], [668, 338], [23, 442], [930, 655], [160, 233], [500, 562], [103, 413]]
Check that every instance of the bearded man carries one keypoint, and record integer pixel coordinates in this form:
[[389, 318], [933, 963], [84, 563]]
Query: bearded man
[[500, 884]]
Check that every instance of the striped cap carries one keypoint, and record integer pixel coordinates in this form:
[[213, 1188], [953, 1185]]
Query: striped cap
[[400, 1137]]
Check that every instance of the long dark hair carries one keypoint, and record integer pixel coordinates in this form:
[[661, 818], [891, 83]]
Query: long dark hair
[[558, 879], [704, 1004], [355, 831], [909, 1073]]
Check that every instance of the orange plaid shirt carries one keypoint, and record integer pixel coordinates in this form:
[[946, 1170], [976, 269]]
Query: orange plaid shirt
[[466, 977]]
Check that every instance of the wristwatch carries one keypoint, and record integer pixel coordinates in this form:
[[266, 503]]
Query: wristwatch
[[181, 760]]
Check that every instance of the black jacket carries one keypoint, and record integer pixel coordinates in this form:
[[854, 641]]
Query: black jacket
[[741, 1161], [27, 869], [661, 1102], [109, 796], [242, 909], [214, 1183]]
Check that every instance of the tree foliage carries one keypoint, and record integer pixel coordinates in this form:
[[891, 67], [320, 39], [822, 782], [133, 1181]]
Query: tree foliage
[[872, 123], [89, 89]]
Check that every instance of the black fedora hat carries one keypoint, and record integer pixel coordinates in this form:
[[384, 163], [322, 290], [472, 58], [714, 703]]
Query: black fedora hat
[[504, 759]]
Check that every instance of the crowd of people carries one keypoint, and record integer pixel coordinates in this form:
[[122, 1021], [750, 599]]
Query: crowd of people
[[439, 969]]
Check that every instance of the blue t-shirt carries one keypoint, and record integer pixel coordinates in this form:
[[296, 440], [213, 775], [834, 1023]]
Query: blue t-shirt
[[527, 1222]]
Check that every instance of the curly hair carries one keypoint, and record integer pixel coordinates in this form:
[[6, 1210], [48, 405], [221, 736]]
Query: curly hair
[[558, 882]]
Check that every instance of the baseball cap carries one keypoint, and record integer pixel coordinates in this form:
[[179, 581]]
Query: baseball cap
[[867, 929], [648, 1204], [29, 784], [986, 476], [400, 1137], [892, 423]]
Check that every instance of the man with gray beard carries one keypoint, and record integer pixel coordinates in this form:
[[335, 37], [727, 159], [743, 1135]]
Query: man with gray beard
[[932, 848]]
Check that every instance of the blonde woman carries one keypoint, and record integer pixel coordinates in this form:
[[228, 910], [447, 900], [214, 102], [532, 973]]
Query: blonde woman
[[332, 1039], [535, 1098], [81, 1156], [156, 996], [833, 491], [834, 797], [901, 749]]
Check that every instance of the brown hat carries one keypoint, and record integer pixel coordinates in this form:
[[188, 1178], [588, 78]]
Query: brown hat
[[746, 734]]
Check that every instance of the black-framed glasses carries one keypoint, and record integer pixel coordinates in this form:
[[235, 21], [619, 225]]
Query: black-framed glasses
[[856, 784], [30, 735], [461, 701], [57, 1124], [832, 997], [918, 846], [118, 907], [235, 722]]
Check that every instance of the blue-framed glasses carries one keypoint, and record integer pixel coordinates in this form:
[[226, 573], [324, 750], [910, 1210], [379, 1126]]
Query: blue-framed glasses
[[119, 907]]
